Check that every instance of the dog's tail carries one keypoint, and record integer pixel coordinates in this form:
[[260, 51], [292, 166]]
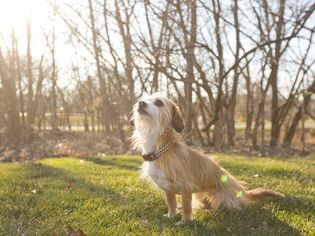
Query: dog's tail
[[226, 193], [229, 193], [262, 193]]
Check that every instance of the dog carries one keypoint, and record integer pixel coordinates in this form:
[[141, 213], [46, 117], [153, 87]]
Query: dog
[[180, 170]]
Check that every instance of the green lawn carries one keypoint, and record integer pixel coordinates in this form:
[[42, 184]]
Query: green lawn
[[103, 196]]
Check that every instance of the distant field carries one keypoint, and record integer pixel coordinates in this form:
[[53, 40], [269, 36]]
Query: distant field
[[104, 196], [77, 120]]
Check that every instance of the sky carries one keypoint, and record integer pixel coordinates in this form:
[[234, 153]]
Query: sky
[[16, 13]]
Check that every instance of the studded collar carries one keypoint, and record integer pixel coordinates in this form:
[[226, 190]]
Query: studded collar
[[152, 156]]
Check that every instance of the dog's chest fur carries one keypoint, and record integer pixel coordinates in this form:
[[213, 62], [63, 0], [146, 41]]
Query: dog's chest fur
[[157, 175]]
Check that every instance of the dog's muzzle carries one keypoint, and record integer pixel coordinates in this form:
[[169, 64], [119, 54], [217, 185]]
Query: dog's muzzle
[[142, 111], [141, 108]]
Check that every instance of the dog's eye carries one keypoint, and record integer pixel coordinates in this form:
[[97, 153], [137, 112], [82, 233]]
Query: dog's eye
[[159, 103]]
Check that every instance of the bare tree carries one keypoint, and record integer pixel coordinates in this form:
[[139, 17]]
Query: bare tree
[[8, 76]]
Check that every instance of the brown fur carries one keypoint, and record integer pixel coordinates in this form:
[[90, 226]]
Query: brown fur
[[261, 193], [177, 119], [191, 174]]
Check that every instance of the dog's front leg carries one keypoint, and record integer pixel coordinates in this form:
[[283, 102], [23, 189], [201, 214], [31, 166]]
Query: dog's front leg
[[171, 203], [186, 206]]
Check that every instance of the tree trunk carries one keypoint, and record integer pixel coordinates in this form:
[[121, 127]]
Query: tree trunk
[[85, 122], [232, 101], [249, 108], [19, 76], [53, 98], [7, 76], [103, 90], [275, 126], [298, 116], [124, 27], [218, 135]]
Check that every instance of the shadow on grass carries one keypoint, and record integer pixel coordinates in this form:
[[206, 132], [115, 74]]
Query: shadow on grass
[[246, 222], [249, 221], [253, 220], [251, 169], [297, 205], [117, 162], [38, 170]]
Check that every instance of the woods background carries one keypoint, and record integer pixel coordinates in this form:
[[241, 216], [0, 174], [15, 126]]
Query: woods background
[[241, 71]]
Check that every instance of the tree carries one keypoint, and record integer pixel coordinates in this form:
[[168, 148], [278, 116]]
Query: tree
[[8, 76]]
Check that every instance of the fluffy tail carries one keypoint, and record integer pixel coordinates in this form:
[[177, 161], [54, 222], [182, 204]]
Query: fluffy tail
[[229, 193], [262, 193]]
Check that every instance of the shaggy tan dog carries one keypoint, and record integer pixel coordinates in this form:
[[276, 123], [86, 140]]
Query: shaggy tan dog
[[178, 169]]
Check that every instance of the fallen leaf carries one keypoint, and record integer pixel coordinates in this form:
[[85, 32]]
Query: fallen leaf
[[70, 185], [71, 232], [144, 222]]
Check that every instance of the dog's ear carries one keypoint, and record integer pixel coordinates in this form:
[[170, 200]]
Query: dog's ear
[[177, 119], [132, 122], [131, 119]]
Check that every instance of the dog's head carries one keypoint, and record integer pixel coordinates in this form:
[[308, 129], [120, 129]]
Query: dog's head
[[155, 113]]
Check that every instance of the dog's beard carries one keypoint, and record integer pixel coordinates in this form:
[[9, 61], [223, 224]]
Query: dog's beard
[[146, 124], [149, 126], [152, 121], [146, 119], [145, 134]]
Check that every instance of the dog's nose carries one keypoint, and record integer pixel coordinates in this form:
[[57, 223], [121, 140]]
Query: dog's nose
[[142, 104]]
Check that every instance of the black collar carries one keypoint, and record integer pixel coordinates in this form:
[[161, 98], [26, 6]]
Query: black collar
[[152, 156], [149, 157]]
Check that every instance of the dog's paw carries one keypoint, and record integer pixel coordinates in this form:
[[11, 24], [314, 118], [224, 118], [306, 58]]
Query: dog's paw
[[181, 223], [170, 214]]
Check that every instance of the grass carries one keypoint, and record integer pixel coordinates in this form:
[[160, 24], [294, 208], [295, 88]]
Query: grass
[[103, 196]]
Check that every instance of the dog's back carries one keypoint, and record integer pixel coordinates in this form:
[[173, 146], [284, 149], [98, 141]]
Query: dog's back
[[187, 170]]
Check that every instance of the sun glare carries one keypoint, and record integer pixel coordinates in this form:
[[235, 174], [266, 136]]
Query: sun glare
[[15, 14]]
